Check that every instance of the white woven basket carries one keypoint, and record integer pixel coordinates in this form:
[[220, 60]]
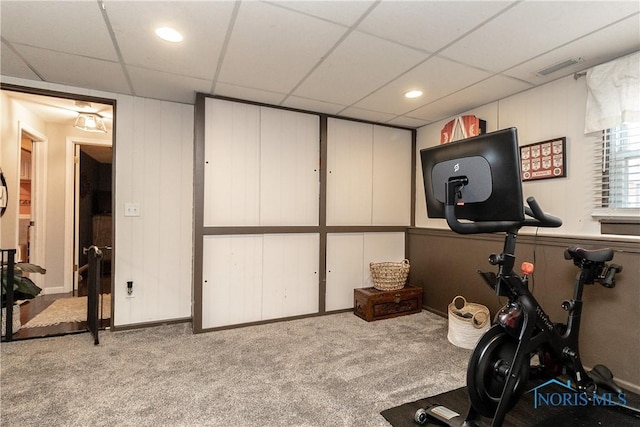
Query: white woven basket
[[467, 322]]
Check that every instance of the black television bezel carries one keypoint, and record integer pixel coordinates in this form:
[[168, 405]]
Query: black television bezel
[[501, 151]]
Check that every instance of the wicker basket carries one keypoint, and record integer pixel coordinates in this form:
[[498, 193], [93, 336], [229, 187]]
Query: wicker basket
[[467, 323], [389, 276]]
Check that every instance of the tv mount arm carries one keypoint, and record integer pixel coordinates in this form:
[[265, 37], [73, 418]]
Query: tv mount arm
[[452, 194]]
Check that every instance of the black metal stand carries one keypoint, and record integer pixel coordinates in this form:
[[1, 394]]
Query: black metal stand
[[93, 291], [8, 270]]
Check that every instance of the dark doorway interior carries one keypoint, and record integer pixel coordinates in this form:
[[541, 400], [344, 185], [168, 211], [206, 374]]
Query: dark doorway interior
[[94, 212]]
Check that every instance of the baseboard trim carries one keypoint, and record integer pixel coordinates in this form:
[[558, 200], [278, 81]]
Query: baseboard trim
[[149, 324]]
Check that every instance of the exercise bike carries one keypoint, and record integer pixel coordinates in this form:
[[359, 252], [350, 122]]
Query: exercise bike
[[523, 340]]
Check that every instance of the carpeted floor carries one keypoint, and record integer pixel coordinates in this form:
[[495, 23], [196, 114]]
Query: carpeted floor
[[63, 310], [335, 370]]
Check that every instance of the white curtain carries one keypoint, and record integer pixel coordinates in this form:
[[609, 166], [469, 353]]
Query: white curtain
[[613, 94]]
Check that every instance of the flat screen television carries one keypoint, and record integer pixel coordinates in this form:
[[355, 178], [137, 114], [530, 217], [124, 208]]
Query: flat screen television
[[491, 165]]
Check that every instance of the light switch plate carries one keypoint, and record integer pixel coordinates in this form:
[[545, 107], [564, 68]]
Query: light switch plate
[[132, 209]]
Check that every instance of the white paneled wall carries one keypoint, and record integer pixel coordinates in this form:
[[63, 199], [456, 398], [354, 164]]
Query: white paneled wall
[[391, 180], [344, 269], [290, 275], [154, 168], [232, 164], [289, 174], [369, 174], [232, 280], [262, 169], [261, 166], [348, 258], [248, 278], [349, 172]]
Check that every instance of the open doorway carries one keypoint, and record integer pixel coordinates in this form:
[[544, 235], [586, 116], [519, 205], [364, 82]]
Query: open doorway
[[51, 164], [93, 221]]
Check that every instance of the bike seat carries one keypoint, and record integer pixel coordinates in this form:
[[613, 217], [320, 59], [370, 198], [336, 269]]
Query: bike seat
[[593, 255]]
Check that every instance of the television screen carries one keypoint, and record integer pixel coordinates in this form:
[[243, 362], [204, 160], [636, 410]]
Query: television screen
[[491, 164]]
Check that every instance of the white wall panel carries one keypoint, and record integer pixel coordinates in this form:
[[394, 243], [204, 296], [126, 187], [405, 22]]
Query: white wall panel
[[290, 275], [348, 258], [391, 200], [232, 280], [153, 167], [349, 172], [153, 243], [550, 111], [232, 163], [289, 167], [344, 269], [175, 243]]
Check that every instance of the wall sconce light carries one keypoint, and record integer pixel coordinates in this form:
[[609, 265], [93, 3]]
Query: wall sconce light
[[90, 122]]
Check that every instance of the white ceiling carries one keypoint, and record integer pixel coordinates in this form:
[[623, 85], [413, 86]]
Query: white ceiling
[[350, 58]]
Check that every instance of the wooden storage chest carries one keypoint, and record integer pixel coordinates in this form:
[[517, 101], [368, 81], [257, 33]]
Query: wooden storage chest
[[373, 304]]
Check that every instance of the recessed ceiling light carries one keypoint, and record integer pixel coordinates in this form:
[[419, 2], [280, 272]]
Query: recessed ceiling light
[[413, 94], [169, 34]]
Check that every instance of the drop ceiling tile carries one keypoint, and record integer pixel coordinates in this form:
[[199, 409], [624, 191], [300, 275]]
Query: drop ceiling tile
[[346, 14], [172, 87], [74, 70], [74, 27], [248, 94], [355, 69], [202, 24], [513, 32], [489, 90], [273, 48], [436, 77], [312, 105], [593, 49], [428, 25], [12, 65], [373, 116], [408, 122]]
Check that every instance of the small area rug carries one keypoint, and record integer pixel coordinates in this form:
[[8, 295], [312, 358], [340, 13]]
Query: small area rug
[[65, 310]]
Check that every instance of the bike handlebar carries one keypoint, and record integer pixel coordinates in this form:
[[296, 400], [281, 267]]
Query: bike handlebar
[[539, 218]]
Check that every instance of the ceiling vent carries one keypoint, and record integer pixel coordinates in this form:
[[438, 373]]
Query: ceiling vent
[[559, 66]]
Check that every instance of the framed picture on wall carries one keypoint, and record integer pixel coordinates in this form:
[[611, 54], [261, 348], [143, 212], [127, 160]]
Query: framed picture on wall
[[462, 127], [543, 160]]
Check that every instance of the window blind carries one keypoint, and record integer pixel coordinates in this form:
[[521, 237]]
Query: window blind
[[618, 168]]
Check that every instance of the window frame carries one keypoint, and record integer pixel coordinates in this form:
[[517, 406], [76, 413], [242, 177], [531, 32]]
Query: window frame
[[614, 218]]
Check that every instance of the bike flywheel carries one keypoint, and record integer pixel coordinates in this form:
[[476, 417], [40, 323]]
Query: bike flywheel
[[488, 368]]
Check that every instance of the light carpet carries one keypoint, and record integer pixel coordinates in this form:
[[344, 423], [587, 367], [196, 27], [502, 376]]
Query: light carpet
[[66, 310], [335, 370]]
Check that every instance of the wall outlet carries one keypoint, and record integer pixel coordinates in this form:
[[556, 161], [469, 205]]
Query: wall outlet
[[130, 293], [132, 209]]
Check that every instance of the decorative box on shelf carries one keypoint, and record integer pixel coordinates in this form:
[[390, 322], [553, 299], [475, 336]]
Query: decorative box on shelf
[[373, 304]]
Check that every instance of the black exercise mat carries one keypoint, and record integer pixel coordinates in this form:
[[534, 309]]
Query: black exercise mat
[[524, 414]]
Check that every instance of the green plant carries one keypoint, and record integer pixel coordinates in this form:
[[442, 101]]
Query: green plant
[[23, 286]]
